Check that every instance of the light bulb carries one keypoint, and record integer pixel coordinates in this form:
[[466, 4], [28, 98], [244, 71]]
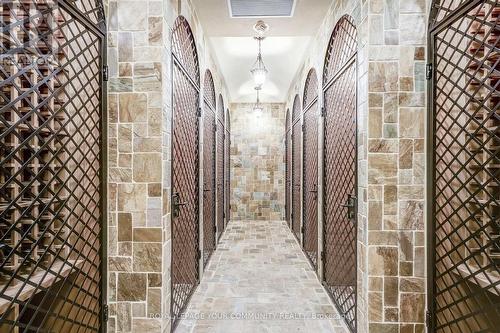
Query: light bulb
[[259, 76], [258, 111]]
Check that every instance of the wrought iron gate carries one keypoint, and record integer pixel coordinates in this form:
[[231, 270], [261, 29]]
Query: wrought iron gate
[[185, 167], [221, 152], [296, 168], [310, 170], [339, 170], [209, 130], [227, 163], [464, 230], [52, 162], [287, 168]]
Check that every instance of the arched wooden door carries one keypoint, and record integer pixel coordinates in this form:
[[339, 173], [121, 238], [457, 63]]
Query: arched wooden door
[[185, 167], [221, 152], [464, 191], [52, 166], [339, 169], [209, 164], [288, 169], [296, 213], [227, 169], [310, 170]]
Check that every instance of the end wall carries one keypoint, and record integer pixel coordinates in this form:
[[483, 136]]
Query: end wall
[[257, 162]]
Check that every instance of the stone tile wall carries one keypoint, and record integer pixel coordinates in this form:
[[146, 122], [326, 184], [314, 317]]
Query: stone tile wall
[[396, 165], [391, 155], [257, 162], [139, 107]]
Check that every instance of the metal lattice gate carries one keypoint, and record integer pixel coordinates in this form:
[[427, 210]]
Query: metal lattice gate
[[209, 143], [221, 152], [185, 167], [310, 170], [464, 231], [296, 169], [288, 164], [52, 185], [227, 167], [339, 170]]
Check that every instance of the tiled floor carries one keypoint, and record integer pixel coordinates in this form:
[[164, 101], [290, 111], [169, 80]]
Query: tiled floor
[[259, 271]]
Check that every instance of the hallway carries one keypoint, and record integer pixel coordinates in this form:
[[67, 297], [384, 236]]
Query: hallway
[[259, 269], [250, 166]]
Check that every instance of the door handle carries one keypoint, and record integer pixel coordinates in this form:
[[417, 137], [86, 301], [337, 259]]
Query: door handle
[[176, 204], [351, 206], [315, 191]]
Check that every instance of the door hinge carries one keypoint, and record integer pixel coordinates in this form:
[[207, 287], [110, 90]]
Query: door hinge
[[323, 256], [427, 318], [198, 255], [105, 313], [199, 111], [303, 229], [429, 71], [303, 126], [323, 110], [105, 73]]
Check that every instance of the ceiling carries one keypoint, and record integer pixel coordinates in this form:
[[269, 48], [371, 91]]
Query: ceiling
[[283, 50]]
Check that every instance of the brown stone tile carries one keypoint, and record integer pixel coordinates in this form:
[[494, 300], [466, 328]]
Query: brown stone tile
[[155, 30], [154, 302], [391, 291], [391, 315], [133, 107], [147, 257], [154, 190], [154, 280], [131, 287], [124, 227], [411, 215], [412, 307], [383, 260], [383, 146], [123, 317], [383, 328], [406, 154], [383, 76], [375, 306], [147, 235], [390, 200], [147, 167], [120, 264]]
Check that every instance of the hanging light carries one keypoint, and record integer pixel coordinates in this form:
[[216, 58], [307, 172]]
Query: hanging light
[[257, 108], [259, 71]]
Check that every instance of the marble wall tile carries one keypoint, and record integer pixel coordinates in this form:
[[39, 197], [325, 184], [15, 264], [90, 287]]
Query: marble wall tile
[[257, 162]]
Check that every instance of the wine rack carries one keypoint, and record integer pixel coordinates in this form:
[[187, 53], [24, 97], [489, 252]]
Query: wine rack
[[483, 137], [50, 178]]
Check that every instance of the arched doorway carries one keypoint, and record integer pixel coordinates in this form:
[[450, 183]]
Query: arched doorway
[[296, 213], [340, 169], [185, 167], [221, 152], [227, 159], [464, 152], [209, 133], [288, 165], [310, 169], [52, 167]]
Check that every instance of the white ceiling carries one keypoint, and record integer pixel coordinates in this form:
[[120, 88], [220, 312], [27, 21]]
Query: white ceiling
[[283, 50]]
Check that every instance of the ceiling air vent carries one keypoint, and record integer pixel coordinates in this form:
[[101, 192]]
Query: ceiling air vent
[[261, 8]]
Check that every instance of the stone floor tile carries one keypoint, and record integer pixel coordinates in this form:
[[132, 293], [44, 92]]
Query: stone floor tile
[[258, 280]]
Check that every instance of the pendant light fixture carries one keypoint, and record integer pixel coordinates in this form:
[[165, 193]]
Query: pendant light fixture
[[257, 108], [259, 70]]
